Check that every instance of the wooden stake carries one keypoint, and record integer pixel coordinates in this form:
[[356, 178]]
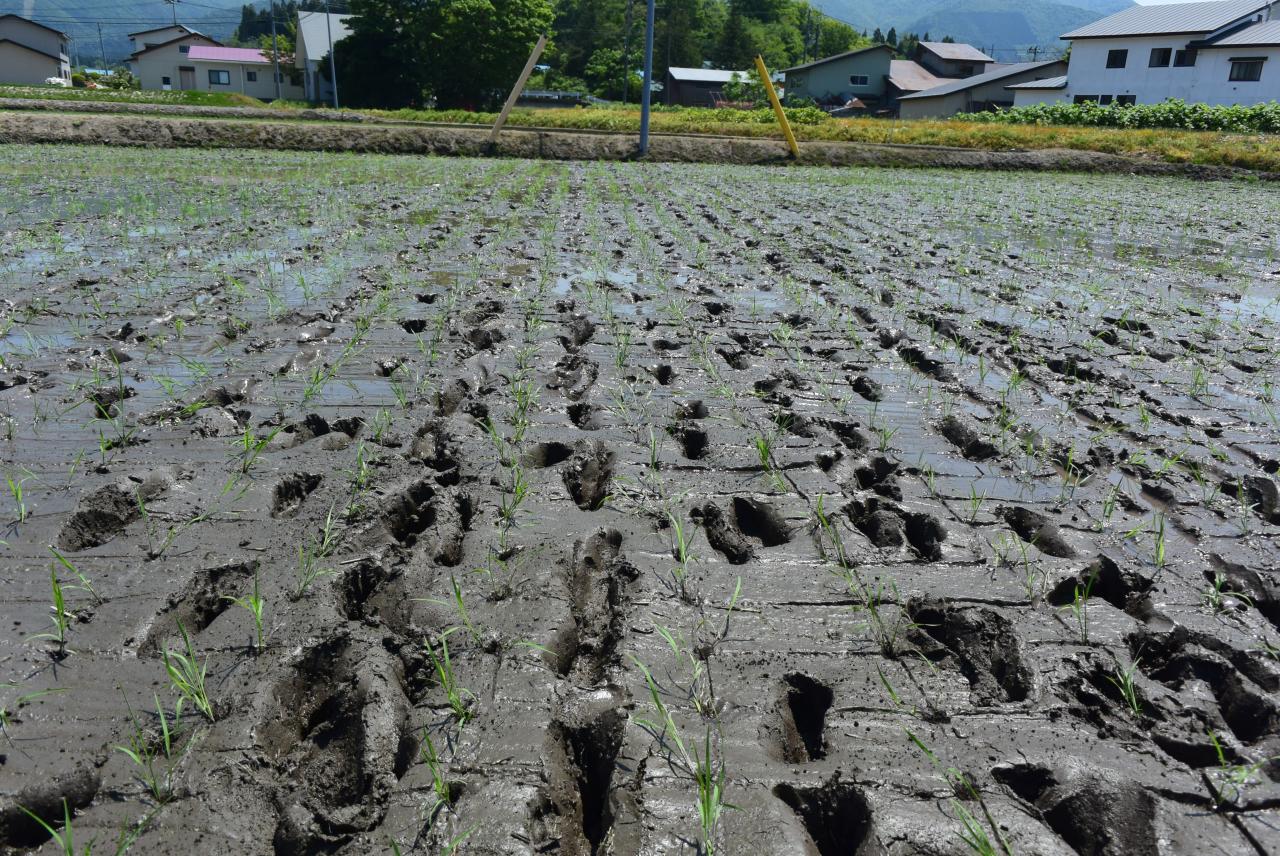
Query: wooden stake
[[518, 88], [777, 107]]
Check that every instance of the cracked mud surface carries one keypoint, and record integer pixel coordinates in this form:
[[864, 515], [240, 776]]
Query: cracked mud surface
[[990, 462]]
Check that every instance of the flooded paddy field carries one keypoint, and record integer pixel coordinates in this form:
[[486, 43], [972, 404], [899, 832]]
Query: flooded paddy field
[[362, 504]]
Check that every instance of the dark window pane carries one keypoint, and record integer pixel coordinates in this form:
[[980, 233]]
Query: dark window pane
[[1117, 58]]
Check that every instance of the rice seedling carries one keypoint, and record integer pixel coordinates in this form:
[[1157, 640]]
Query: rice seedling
[[187, 677], [460, 699], [253, 603], [61, 617], [18, 494], [63, 838], [705, 768], [439, 785], [1079, 606], [85, 584], [682, 552], [1227, 784], [1123, 680], [155, 762], [983, 839]]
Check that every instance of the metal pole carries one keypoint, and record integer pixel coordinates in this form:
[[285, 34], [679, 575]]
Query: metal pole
[[333, 68], [102, 49], [648, 81], [275, 48]]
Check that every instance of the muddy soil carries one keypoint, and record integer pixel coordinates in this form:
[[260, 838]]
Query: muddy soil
[[920, 511], [262, 129]]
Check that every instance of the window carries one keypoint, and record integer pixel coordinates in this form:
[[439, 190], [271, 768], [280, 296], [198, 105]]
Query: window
[[1184, 58], [218, 77], [1117, 58], [184, 49], [1246, 69], [251, 76], [1126, 100], [1160, 57], [1104, 100], [1085, 99], [859, 80], [164, 81]]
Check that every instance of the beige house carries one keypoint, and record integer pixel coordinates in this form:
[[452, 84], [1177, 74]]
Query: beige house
[[165, 64], [244, 70], [31, 52], [982, 92]]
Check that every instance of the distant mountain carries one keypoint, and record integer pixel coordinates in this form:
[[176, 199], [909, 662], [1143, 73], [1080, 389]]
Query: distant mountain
[[1006, 25], [79, 19]]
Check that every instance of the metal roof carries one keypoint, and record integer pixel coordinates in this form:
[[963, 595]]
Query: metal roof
[[1169, 18], [910, 76], [980, 79], [836, 58], [313, 33], [1047, 83], [221, 54], [958, 51], [706, 75], [1265, 34]]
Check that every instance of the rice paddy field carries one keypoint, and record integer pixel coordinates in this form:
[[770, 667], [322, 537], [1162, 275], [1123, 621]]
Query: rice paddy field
[[369, 504]]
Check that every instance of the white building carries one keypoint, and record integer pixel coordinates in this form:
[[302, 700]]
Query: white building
[[317, 33], [1213, 52]]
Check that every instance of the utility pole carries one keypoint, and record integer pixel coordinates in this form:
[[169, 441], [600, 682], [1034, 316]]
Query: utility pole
[[645, 92], [1035, 51], [275, 48], [101, 49], [333, 68], [173, 4]]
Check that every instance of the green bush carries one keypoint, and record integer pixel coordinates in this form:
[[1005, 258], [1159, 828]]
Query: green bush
[[79, 81], [1258, 118]]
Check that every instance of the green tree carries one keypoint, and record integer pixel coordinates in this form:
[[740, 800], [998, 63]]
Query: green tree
[[735, 49], [462, 53]]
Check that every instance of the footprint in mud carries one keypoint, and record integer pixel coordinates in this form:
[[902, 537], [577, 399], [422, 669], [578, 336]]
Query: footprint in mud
[[1038, 531], [982, 643], [574, 812], [663, 373], [576, 334], [889, 527], [589, 474], [205, 596], [922, 362], [692, 440], [98, 518], [584, 415], [1123, 588], [573, 375], [45, 798], [542, 455], [436, 447], [836, 817], [422, 515], [798, 730], [736, 358], [291, 491], [966, 439], [691, 410], [868, 388], [597, 580], [735, 533], [1095, 810], [337, 729]]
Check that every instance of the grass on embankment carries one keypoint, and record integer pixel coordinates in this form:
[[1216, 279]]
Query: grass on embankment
[[1247, 151], [189, 97]]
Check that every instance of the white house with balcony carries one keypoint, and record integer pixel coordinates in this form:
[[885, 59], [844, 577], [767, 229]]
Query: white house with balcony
[[1211, 52]]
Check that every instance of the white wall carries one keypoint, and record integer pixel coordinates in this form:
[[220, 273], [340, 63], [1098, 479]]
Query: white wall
[[263, 88], [1205, 82], [155, 65]]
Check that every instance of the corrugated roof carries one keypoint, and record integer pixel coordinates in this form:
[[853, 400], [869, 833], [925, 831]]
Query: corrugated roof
[[981, 79], [706, 75], [956, 51], [910, 76], [1266, 34], [313, 35], [221, 54], [1169, 18], [836, 57], [1047, 83]]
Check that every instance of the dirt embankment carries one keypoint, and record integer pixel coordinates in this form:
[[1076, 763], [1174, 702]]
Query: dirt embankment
[[158, 131]]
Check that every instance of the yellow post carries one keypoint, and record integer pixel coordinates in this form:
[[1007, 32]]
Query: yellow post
[[777, 107]]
